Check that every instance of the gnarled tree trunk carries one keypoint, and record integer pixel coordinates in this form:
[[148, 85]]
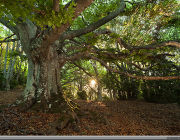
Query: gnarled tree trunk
[[43, 90]]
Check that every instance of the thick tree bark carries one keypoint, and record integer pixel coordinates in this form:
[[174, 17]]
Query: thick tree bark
[[43, 88], [43, 81], [43, 92]]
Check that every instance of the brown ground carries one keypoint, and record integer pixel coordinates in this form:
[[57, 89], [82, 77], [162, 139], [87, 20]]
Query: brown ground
[[127, 117]]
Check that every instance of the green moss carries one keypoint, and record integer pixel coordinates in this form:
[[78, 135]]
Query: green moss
[[57, 110], [61, 118], [55, 96], [71, 119]]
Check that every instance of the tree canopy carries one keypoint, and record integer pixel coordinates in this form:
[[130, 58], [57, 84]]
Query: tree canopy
[[135, 26]]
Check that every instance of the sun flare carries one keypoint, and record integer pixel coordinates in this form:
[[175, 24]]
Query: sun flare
[[93, 82]]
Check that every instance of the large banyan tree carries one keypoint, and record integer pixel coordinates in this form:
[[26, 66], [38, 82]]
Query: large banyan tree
[[53, 32]]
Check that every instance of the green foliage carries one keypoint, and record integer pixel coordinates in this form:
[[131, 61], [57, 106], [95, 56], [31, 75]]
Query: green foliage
[[106, 98], [161, 91], [13, 83], [150, 14], [14, 53], [128, 88], [46, 16], [69, 95], [91, 39], [96, 99], [21, 81], [1, 80], [82, 95], [114, 35]]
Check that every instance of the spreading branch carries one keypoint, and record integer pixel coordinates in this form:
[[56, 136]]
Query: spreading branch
[[137, 66], [55, 34], [114, 77], [82, 69], [133, 76], [10, 40], [127, 46], [9, 26], [56, 5], [76, 33]]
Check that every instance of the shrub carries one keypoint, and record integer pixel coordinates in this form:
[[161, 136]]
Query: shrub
[[13, 83], [161, 91], [1, 80], [22, 80], [82, 95], [69, 95], [105, 97]]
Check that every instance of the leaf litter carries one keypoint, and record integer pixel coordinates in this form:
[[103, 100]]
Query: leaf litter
[[125, 117]]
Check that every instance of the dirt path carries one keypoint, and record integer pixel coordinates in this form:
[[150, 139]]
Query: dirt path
[[8, 97], [127, 117]]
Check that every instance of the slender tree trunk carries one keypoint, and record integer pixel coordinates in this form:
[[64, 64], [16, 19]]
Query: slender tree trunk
[[114, 94], [1, 58], [13, 63], [25, 68], [5, 62], [18, 71], [98, 82], [110, 94], [80, 84], [90, 94], [10, 68]]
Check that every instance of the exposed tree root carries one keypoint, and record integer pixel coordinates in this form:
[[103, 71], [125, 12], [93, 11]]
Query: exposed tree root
[[72, 104], [8, 119]]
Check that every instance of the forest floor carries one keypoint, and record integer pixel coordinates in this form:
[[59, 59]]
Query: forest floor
[[127, 117]]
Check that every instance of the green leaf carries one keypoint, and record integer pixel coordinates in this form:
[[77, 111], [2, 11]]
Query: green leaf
[[53, 12]]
